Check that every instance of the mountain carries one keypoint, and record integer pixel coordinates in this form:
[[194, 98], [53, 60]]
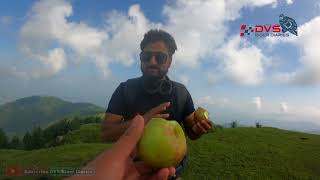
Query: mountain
[[21, 115]]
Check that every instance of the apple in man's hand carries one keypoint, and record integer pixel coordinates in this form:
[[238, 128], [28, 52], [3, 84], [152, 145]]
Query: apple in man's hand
[[163, 143], [201, 114]]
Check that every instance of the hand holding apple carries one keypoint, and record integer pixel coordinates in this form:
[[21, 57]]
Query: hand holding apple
[[118, 161], [202, 123], [163, 143]]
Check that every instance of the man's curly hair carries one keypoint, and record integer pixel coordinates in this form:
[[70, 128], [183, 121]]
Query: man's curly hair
[[155, 35]]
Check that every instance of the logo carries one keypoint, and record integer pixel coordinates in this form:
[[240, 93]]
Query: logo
[[286, 25], [14, 171]]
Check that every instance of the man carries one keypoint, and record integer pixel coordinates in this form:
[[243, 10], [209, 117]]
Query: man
[[153, 94]]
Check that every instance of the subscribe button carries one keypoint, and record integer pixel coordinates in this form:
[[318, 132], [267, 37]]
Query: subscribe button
[[41, 171], [14, 171]]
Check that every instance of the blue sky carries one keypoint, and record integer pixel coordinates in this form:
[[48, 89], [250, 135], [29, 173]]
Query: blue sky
[[81, 50]]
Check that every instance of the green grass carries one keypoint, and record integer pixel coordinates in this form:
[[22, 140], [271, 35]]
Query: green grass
[[254, 153], [239, 153], [70, 155]]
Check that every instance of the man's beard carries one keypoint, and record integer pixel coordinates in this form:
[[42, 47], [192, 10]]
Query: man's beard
[[160, 75], [156, 83], [151, 82]]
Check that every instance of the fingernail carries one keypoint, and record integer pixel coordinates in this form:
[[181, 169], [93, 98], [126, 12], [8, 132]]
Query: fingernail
[[138, 117]]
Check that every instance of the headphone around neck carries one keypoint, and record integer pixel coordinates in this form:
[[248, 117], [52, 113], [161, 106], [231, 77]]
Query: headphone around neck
[[163, 87]]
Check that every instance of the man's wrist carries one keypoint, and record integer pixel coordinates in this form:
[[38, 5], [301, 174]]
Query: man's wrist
[[194, 132], [192, 135]]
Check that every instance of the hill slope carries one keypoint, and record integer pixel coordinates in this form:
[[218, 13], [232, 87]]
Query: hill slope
[[255, 153], [239, 153], [71, 155], [87, 133], [22, 114]]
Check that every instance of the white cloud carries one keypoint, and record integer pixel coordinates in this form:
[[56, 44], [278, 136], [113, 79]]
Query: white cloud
[[118, 41], [234, 6], [205, 32], [211, 101], [214, 77], [300, 113], [184, 78], [289, 2], [279, 113], [284, 107], [48, 25], [206, 100], [53, 63], [195, 29], [307, 41], [257, 102], [276, 114], [126, 32], [243, 62], [48, 65]]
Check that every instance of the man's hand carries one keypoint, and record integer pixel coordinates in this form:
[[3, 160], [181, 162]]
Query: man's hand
[[118, 161], [202, 127], [156, 112]]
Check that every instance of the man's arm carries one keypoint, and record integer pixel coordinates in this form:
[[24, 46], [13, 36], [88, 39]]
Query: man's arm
[[113, 127], [188, 123]]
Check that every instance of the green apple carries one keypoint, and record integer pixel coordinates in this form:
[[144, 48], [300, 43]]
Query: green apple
[[163, 143], [201, 114]]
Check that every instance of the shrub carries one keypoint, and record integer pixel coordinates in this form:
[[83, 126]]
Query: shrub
[[258, 125], [218, 127], [234, 124]]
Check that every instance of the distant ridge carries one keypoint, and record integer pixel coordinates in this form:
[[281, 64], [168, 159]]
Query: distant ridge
[[21, 115]]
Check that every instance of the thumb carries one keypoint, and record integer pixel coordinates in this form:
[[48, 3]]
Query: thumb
[[128, 141], [162, 174]]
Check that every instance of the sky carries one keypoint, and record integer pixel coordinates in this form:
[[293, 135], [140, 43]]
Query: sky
[[81, 50]]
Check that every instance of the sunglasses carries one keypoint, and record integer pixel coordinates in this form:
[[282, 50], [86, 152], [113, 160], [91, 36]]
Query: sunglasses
[[160, 57]]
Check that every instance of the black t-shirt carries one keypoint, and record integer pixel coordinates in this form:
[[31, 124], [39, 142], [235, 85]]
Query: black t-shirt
[[144, 102]]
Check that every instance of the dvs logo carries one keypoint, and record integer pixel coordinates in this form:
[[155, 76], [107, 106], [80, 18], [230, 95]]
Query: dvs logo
[[286, 24]]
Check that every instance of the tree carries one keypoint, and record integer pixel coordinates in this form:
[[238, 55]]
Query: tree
[[234, 124], [54, 130], [88, 120], [73, 125], [3, 140], [38, 139], [98, 120], [258, 125], [64, 126], [27, 141], [60, 128], [218, 126], [15, 143]]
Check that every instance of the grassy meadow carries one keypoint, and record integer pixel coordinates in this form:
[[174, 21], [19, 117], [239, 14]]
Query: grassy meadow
[[229, 153]]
